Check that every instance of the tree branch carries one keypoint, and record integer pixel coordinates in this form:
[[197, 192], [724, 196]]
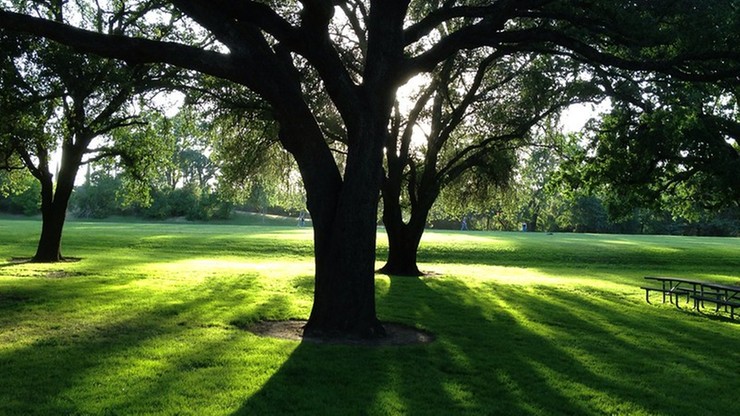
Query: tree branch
[[134, 50]]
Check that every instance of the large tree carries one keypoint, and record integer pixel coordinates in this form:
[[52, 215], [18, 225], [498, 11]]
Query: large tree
[[262, 45]]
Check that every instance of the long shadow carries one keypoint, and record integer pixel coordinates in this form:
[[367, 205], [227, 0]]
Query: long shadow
[[42, 372], [319, 379], [533, 250], [15, 262], [479, 363], [131, 361], [509, 350]]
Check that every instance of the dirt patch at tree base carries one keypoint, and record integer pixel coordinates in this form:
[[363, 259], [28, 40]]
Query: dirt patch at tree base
[[396, 334]]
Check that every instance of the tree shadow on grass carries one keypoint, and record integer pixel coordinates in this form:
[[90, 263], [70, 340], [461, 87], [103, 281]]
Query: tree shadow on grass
[[500, 349], [173, 356], [15, 261], [40, 375], [513, 350]]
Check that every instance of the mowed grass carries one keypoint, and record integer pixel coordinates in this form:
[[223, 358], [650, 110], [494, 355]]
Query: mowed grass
[[151, 321]]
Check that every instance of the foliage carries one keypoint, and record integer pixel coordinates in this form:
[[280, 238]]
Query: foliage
[[190, 202], [172, 190], [62, 101], [264, 46], [544, 195], [27, 105], [480, 110], [676, 148], [98, 197], [240, 130], [20, 193]]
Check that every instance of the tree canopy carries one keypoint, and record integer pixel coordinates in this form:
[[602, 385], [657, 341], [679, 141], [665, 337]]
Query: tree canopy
[[675, 145]]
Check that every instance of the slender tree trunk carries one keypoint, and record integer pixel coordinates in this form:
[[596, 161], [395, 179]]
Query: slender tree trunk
[[533, 223]]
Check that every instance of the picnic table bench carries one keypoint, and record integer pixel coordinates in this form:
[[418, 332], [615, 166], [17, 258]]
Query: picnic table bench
[[727, 296]]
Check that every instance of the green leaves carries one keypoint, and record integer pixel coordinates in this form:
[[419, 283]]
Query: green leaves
[[678, 150]]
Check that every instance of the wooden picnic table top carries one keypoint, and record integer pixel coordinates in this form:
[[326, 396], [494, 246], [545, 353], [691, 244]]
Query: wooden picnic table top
[[720, 286], [676, 279], [672, 286]]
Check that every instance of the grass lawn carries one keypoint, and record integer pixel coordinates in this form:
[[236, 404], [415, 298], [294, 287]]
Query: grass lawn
[[151, 321]]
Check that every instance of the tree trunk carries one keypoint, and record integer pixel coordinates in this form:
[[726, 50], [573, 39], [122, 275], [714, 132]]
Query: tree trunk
[[49, 248], [343, 216], [533, 223], [403, 239], [54, 204], [403, 245], [344, 294]]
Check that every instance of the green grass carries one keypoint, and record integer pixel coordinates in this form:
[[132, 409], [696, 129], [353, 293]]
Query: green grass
[[150, 322]]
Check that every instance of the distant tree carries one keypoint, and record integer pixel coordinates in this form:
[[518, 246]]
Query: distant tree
[[164, 168], [533, 195], [253, 170], [540, 199], [479, 110], [187, 138], [57, 101], [99, 197], [20, 193]]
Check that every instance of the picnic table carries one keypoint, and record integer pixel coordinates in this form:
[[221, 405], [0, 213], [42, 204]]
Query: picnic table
[[722, 295]]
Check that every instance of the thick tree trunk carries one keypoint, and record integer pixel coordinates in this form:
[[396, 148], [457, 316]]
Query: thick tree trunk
[[403, 239], [403, 245], [343, 216], [49, 249], [54, 204], [344, 295], [53, 215]]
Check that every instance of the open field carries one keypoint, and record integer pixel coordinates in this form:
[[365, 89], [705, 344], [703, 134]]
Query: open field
[[151, 321]]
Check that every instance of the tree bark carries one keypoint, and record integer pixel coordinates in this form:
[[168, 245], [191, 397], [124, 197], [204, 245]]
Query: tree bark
[[49, 248], [403, 239], [54, 202], [403, 245], [343, 213], [533, 226], [343, 209], [344, 295]]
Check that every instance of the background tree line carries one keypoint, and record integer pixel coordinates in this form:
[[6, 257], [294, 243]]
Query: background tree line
[[190, 185]]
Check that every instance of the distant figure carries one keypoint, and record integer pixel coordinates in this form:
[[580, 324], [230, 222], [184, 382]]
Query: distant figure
[[524, 227], [301, 219], [464, 225]]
